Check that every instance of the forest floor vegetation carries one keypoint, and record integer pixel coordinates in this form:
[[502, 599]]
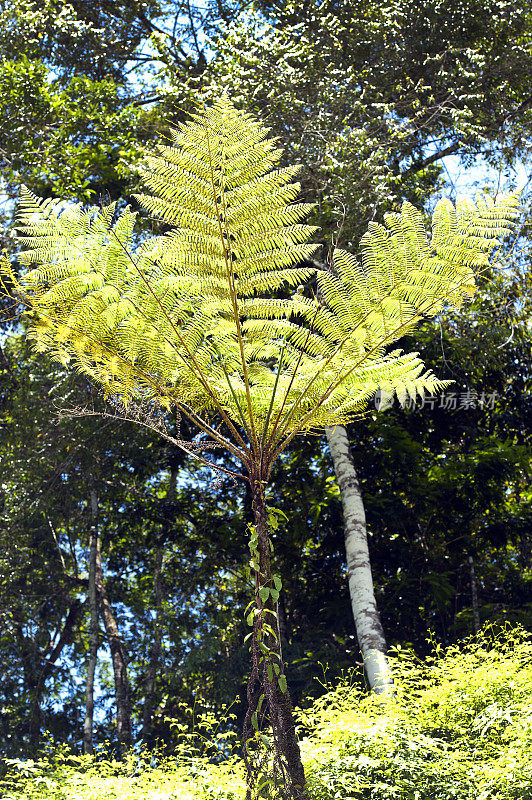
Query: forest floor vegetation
[[459, 726]]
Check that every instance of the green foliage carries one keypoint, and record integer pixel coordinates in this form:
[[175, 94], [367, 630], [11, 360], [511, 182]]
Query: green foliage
[[84, 133], [458, 727], [371, 96], [63, 775], [190, 313], [76, 38]]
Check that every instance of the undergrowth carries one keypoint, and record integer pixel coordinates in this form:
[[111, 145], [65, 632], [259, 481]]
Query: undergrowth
[[459, 727]]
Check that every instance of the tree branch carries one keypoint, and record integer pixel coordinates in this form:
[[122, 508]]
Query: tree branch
[[417, 166]]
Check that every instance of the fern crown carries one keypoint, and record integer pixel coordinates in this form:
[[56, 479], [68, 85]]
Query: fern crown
[[190, 317]]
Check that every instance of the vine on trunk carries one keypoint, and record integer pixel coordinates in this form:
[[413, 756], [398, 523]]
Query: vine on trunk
[[272, 761]]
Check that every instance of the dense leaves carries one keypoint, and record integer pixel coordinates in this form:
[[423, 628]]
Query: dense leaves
[[458, 726]]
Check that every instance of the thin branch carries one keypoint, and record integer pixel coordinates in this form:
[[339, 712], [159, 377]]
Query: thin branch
[[78, 412], [56, 541], [417, 166], [147, 100]]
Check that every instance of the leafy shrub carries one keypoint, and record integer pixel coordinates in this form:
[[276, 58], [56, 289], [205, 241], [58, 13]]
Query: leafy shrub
[[458, 728]]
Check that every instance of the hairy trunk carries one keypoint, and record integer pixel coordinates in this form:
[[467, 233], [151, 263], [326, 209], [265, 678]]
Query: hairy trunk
[[123, 711], [93, 629], [474, 595], [287, 764], [368, 625], [283, 628]]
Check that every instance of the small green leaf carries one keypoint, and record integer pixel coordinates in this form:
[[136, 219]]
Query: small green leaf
[[272, 522], [249, 618], [264, 593], [277, 582], [270, 672], [255, 721], [275, 595], [282, 684], [263, 784], [269, 630], [248, 607], [276, 669], [259, 704]]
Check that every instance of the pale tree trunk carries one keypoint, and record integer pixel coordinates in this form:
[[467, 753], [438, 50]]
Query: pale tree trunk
[[368, 625], [122, 692], [155, 651], [88, 747]]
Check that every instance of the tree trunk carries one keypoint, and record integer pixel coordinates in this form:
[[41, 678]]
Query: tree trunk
[[123, 711], [278, 703], [35, 720], [368, 625], [88, 747], [474, 595], [155, 651], [38, 665]]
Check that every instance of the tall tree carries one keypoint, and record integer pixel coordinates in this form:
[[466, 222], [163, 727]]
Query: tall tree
[[118, 658], [372, 97], [156, 646], [178, 323], [368, 624], [94, 547]]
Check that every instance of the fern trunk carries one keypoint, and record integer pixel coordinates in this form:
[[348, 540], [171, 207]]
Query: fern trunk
[[287, 765], [368, 624]]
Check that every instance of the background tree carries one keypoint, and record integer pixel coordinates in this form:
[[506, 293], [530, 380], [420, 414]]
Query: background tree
[[371, 97]]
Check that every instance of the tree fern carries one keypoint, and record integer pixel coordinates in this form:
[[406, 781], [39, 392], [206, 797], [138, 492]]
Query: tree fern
[[187, 319]]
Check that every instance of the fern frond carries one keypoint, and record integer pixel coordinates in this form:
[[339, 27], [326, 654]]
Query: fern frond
[[404, 274], [188, 316]]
